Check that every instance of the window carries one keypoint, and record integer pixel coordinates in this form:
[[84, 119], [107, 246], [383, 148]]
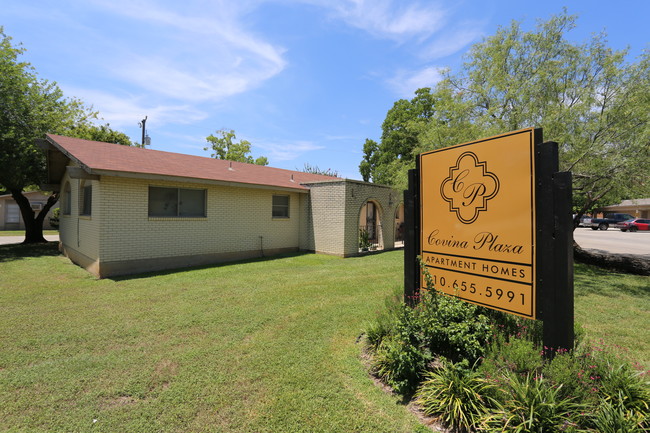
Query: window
[[280, 206], [86, 199], [67, 199], [13, 213], [176, 202]]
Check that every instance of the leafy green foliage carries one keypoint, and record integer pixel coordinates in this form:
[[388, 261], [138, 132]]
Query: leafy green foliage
[[29, 108], [614, 417], [408, 339], [314, 169], [400, 364], [102, 133], [460, 396], [512, 384], [517, 355], [587, 97], [531, 404], [385, 162], [224, 146]]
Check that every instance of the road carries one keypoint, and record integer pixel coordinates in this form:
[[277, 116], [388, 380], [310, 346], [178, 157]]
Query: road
[[613, 241]]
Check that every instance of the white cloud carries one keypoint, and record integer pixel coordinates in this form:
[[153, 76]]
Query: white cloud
[[121, 111], [405, 83], [188, 51], [449, 43], [285, 150], [392, 19]]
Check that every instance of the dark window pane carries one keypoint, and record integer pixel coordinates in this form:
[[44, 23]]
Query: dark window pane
[[163, 202], [192, 203], [87, 200], [280, 206]]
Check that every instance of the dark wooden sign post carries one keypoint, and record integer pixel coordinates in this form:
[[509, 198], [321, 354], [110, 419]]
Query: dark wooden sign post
[[491, 221]]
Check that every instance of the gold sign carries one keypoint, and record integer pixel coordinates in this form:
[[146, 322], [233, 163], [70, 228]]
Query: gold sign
[[478, 221]]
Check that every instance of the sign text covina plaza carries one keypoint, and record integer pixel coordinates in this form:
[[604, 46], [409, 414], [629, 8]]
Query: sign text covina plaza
[[478, 221]]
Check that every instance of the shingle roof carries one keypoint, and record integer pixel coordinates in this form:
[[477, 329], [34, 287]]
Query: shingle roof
[[104, 158]]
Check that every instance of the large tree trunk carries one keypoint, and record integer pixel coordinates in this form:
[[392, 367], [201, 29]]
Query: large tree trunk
[[33, 222], [615, 262]]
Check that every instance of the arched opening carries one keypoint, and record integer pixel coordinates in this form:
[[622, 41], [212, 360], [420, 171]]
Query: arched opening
[[399, 226], [370, 230]]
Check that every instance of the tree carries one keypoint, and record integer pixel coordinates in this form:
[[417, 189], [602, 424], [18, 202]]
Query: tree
[[314, 169], [586, 97], [29, 108], [384, 162], [102, 133], [225, 147]]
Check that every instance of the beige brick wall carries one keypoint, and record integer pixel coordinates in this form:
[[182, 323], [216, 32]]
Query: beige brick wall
[[333, 211], [80, 233], [120, 234], [326, 214], [386, 199], [238, 219]]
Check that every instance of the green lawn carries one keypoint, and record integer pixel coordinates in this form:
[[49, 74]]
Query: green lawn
[[22, 232], [262, 346]]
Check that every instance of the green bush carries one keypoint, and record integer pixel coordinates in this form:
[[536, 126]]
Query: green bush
[[616, 418], [459, 395], [531, 404], [452, 328], [513, 385], [516, 355], [400, 364]]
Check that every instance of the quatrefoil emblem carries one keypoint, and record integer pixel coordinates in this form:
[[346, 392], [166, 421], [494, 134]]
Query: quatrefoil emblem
[[469, 187]]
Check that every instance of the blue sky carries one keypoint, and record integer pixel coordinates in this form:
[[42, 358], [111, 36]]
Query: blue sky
[[305, 81]]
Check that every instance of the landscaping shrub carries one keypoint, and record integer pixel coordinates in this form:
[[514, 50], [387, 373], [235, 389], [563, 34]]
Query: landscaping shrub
[[458, 395], [400, 364], [614, 417], [406, 339], [531, 404], [512, 384], [516, 355]]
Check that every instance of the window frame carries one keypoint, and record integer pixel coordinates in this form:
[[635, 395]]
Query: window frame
[[67, 199], [286, 208], [86, 199], [179, 204]]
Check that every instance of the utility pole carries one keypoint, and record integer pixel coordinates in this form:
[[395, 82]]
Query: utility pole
[[145, 138]]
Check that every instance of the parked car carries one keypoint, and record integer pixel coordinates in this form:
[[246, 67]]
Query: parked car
[[609, 220], [634, 225], [584, 221]]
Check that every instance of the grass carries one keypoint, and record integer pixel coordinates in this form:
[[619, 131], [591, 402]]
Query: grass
[[260, 346], [263, 346], [614, 310], [22, 232]]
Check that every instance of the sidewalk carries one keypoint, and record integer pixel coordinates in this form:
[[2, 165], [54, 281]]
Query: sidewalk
[[5, 240]]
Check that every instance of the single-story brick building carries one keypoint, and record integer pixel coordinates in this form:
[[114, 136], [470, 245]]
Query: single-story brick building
[[128, 210], [10, 217], [639, 208]]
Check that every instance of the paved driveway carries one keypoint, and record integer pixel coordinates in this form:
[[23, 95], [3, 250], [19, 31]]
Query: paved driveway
[[614, 241], [4, 240]]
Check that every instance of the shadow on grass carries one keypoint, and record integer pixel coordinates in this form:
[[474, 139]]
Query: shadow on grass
[[12, 252], [208, 266], [593, 280]]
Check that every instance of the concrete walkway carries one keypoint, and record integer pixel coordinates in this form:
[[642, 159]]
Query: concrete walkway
[[5, 240]]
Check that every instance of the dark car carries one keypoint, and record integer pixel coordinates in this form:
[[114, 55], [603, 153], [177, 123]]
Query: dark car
[[634, 225], [610, 220]]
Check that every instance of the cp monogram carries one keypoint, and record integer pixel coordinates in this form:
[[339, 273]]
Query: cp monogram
[[469, 187]]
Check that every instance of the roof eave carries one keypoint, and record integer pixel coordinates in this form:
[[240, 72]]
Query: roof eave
[[164, 177]]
